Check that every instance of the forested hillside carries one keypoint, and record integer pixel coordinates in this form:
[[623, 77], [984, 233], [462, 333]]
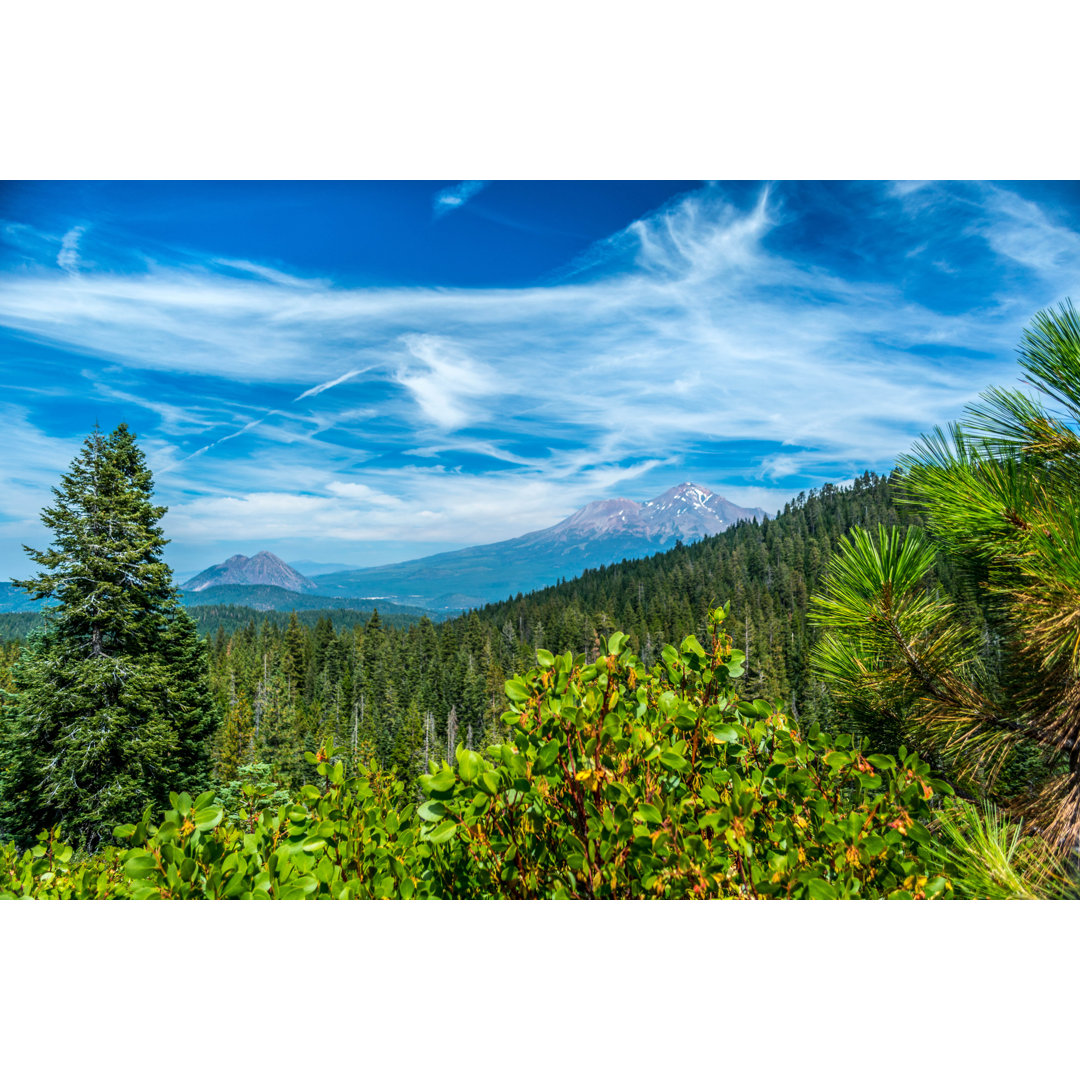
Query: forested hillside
[[765, 571]]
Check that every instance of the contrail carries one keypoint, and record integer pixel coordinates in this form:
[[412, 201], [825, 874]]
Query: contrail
[[272, 412], [333, 382]]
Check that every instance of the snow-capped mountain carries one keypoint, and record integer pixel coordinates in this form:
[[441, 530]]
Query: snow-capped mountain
[[602, 532], [685, 512], [262, 569]]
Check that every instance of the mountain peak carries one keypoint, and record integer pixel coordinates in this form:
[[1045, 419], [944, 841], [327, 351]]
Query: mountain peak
[[687, 511], [265, 568], [687, 491]]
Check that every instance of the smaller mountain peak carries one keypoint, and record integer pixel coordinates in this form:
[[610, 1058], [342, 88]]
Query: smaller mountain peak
[[265, 568]]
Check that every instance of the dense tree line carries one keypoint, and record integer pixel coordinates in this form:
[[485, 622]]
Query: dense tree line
[[208, 618], [382, 692]]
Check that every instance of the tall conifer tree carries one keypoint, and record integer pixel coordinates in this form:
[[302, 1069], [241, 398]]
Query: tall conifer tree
[[112, 705]]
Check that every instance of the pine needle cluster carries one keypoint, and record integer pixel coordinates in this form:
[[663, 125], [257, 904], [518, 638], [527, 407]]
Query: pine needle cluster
[[1000, 494]]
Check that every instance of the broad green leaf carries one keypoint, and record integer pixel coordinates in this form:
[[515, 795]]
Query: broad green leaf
[[140, 866], [820, 889], [547, 755], [441, 833], [674, 761], [432, 810], [488, 782], [470, 765], [442, 781], [692, 645], [208, 817], [516, 690]]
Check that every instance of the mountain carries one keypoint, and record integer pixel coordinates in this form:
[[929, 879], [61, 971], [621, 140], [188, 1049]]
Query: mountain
[[686, 512], [262, 569], [601, 533]]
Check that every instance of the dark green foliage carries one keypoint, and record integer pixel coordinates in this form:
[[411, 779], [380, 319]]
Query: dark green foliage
[[251, 792], [18, 626], [209, 618], [111, 705]]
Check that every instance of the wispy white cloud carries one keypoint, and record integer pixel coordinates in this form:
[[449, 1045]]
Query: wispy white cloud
[[453, 198], [68, 256], [429, 502], [249, 426], [1023, 231], [446, 384], [269, 273], [175, 419], [903, 188]]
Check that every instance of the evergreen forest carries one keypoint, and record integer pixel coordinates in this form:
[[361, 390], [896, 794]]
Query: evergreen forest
[[875, 693]]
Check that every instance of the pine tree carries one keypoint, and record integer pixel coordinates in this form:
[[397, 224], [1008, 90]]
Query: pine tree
[[1001, 493], [112, 705], [236, 740], [405, 758]]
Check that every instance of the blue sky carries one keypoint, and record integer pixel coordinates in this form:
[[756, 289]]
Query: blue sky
[[367, 372]]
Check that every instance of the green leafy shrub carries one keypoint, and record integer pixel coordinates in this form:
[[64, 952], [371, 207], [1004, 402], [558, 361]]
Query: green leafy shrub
[[52, 870], [618, 782], [622, 782]]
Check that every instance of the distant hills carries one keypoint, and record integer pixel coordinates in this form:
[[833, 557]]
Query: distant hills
[[600, 533], [12, 599]]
